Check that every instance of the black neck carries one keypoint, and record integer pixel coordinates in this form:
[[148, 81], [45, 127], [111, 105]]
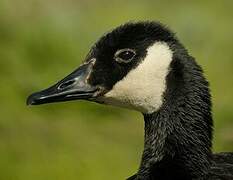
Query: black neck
[[178, 136]]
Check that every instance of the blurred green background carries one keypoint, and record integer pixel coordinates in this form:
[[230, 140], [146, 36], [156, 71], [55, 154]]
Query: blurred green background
[[41, 41]]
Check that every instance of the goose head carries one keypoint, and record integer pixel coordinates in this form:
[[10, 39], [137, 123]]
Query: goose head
[[126, 67]]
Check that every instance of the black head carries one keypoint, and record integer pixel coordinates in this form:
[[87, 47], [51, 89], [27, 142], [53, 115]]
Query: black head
[[116, 55], [129, 41]]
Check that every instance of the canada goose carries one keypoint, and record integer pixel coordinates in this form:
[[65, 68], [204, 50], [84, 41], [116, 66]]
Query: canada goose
[[142, 66]]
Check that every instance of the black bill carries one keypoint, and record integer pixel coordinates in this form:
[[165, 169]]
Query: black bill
[[74, 86]]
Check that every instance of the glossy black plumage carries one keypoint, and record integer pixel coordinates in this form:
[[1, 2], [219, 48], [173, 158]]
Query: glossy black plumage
[[222, 167]]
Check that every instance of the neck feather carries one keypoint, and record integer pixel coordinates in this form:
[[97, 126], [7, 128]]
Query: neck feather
[[178, 136]]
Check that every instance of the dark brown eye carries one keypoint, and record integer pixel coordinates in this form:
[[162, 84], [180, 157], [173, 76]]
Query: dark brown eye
[[124, 55]]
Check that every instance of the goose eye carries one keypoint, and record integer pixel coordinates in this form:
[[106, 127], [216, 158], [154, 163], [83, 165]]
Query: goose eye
[[124, 55]]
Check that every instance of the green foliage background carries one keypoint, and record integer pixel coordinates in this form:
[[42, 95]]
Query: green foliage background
[[43, 40]]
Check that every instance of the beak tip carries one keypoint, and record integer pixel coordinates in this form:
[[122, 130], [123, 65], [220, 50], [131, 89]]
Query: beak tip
[[31, 100]]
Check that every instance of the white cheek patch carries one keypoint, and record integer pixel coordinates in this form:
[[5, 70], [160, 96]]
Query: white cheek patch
[[143, 87]]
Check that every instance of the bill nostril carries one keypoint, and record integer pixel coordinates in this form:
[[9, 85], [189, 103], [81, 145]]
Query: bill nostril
[[66, 84]]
